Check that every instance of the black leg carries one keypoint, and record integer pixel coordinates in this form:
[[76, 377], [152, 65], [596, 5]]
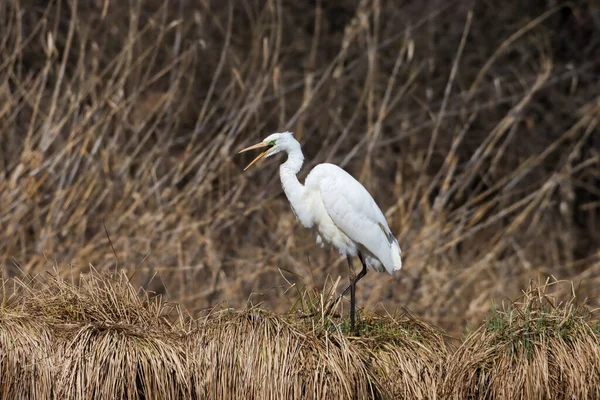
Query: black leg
[[352, 304], [362, 273], [337, 299], [352, 288]]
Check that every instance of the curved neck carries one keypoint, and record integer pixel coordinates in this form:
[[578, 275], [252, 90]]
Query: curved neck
[[292, 187], [294, 161]]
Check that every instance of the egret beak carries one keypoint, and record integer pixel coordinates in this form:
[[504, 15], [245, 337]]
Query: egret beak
[[256, 146]]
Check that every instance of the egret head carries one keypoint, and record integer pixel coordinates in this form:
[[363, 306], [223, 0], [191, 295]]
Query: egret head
[[273, 144]]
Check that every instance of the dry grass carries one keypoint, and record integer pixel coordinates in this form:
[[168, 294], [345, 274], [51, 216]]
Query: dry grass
[[394, 358], [536, 348], [407, 356], [25, 356], [258, 355], [99, 339], [102, 338]]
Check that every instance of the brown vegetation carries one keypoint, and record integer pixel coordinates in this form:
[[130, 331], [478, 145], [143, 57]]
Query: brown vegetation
[[536, 348], [474, 126], [102, 338]]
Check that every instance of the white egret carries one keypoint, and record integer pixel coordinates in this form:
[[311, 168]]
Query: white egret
[[338, 209]]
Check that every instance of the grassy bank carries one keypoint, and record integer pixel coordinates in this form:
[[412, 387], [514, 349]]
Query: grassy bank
[[103, 338]]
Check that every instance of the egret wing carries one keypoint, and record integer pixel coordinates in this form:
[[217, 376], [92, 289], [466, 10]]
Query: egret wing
[[354, 211]]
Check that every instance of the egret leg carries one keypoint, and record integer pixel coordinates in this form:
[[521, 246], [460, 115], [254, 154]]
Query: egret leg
[[337, 299], [362, 273], [352, 288], [352, 303]]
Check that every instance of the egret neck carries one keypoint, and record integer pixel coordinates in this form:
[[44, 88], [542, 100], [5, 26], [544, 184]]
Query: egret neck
[[294, 190]]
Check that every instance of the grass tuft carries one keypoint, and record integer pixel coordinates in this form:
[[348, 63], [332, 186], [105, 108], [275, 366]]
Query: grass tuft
[[537, 346]]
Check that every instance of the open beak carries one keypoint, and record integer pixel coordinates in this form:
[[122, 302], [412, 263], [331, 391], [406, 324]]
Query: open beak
[[256, 146]]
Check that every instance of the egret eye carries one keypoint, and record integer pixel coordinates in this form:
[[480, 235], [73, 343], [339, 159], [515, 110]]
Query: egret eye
[[271, 143]]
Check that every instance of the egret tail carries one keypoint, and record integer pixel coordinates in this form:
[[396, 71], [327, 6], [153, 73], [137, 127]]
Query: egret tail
[[396, 259]]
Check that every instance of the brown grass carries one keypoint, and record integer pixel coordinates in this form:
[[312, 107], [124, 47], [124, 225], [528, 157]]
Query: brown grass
[[102, 338], [535, 348], [25, 356], [396, 358]]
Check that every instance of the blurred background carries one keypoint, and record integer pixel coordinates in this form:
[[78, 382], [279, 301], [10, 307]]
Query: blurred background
[[474, 125]]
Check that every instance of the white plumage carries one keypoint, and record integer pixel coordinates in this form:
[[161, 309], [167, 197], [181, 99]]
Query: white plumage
[[347, 217], [338, 209]]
